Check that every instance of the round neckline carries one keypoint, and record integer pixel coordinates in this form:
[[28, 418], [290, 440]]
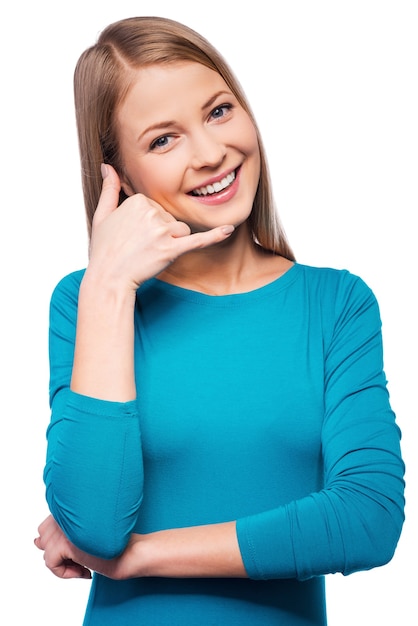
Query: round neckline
[[183, 293]]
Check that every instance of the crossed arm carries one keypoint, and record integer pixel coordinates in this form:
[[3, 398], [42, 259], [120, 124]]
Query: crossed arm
[[200, 551]]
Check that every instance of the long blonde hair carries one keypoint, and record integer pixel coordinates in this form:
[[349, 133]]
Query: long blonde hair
[[102, 78]]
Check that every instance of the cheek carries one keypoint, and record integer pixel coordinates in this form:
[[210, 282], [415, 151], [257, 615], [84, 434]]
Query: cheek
[[251, 148], [158, 182], [247, 133], [252, 140], [139, 178]]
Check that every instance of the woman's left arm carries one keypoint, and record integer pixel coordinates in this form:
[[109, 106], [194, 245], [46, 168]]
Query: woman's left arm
[[196, 552], [354, 522]]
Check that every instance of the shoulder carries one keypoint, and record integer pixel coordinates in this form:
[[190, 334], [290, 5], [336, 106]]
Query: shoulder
[[339, 295], [338, 283], [66, 290], [69, 283]]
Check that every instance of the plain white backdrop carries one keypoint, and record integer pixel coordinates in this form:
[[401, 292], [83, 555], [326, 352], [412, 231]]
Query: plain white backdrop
[[333, 85]]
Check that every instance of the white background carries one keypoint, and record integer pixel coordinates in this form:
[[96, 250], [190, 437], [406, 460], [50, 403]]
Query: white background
[[334, 88]]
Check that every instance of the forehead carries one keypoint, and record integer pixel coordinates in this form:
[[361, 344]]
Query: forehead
[[161, 89]]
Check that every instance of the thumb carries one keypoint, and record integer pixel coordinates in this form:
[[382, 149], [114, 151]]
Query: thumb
[[109, 197]]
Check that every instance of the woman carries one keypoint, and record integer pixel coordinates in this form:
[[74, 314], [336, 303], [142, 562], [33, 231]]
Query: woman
[[221, 435]]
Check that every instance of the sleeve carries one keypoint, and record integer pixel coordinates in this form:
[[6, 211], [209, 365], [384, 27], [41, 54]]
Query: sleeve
[[355, 521], [94, 471]]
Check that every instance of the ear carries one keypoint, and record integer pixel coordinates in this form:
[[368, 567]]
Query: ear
[[126, 186]]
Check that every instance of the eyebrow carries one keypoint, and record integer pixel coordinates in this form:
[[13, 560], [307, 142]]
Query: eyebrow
[[162, 125]]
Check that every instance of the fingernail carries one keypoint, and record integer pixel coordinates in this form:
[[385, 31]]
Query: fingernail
[[104, 170], [228, 229]]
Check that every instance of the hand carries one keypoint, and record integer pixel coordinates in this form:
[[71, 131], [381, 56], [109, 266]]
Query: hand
[[60, 556], [66, 561], [139, 239]]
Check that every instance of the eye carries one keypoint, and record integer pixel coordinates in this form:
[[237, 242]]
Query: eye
[[161, 142], [221, 111]]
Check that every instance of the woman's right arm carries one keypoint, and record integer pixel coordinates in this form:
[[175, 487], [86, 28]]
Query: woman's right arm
[[129, 244], [94, 473]]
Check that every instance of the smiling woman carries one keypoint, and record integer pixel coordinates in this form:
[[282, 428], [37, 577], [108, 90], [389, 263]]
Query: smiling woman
[[206, 155], [221, 435], [113, 65]]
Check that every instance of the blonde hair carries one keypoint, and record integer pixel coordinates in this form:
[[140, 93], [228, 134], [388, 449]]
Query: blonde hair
[[102, 78]]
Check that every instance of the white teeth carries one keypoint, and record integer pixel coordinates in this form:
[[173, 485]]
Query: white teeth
[[216, 187]]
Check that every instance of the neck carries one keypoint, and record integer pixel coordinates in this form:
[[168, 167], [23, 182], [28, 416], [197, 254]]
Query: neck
[[235, 266]]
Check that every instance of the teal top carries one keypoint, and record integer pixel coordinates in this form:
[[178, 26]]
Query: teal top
[[268, 407]]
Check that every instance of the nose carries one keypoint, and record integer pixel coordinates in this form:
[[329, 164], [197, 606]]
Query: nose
[[207, 149]]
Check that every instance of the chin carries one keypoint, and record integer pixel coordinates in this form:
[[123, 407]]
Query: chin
[[236, 218]]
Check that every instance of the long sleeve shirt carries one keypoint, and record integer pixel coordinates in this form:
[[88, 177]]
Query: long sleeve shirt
[[268, 407]]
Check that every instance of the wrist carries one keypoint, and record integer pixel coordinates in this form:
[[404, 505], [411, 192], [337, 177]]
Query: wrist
[[107, 285]]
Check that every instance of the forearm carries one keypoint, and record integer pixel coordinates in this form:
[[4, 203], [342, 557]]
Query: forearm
[[104, 351], [94, 444], [199, 551], [209, 551]]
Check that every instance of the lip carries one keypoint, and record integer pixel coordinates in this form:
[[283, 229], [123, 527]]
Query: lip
[[222, 196], [216, 179]]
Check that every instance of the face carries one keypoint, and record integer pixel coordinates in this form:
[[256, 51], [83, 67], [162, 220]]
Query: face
[[188, 144]]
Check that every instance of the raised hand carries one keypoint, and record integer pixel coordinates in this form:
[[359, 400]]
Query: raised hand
[[130, 243], [137, 240]]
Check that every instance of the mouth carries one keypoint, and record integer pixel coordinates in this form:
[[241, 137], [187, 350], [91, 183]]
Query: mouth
[[216, 187]]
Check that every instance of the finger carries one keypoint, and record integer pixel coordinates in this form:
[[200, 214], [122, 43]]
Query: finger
[[46, 530], [109, 197], [179, 229], [205, 239], [70, 569], [47, 522]]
